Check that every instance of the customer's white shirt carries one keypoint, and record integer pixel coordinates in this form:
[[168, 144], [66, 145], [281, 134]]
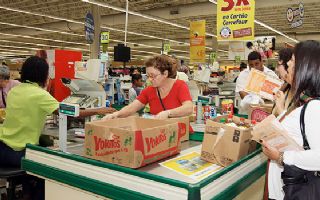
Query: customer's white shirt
[[242, 82], [308, 160], [243, 78]]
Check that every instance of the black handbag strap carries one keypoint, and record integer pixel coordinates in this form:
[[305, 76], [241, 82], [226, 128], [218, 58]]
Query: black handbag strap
[[302, 125], [164, 108], [3, 99]]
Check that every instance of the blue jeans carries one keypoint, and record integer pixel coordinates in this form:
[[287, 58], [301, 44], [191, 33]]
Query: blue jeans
[[10, 157]]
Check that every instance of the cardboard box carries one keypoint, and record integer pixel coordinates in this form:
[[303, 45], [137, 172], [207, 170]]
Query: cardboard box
[[184, 127], [223, 144], [259, 112], [131, 142]]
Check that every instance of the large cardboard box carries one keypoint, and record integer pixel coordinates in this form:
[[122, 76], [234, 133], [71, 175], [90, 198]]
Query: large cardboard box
[[131, 142], [184, 126], [259, 112], [223, 144]]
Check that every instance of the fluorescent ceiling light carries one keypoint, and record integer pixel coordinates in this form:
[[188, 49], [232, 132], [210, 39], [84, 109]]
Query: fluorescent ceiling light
[[18, 47], [46, 39], [276, 31], [43, 45], [266, 26], [105, 5], [80, 22], [41, 15], [14, 50], [40, 29], [149, 52]]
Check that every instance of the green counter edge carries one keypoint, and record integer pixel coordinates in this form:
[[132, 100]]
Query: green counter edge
[[82, 182], [193, 189], [232, 191]]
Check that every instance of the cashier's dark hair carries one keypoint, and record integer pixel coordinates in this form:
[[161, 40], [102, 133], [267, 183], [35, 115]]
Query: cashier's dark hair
[[163, 63], [254, 56], [306, 78], [35, 69]]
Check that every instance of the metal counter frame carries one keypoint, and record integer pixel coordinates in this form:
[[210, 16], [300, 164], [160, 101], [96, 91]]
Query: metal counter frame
[[116, 182]]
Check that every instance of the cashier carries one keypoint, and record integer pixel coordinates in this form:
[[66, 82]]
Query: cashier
[[254, 62], [6, 84], [166, 96], [28, 105]]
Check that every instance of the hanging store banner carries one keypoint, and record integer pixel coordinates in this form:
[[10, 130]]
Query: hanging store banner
[[235, 20], [213, 57], [197, 41], [166, 48], [89, 28]]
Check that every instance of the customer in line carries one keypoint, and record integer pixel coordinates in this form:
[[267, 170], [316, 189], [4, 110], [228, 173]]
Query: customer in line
[[6, 84], [304, 68], [283, 98], [28, 104], [167, 96], [137, 85]]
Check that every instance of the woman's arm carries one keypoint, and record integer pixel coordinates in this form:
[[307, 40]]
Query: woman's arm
[[185, 109], [130, 109], [92, 111], [309, 159]]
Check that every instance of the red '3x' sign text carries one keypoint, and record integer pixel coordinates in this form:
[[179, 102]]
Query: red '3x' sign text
[[231, 4]]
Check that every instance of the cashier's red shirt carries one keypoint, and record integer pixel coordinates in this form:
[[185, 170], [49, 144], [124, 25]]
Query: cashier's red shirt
[[178, 94]]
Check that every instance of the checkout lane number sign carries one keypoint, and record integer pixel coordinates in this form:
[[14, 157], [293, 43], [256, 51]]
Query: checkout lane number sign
[[89, 28]]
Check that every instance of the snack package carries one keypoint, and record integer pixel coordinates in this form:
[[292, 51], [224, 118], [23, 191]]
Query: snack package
[[272, 131]]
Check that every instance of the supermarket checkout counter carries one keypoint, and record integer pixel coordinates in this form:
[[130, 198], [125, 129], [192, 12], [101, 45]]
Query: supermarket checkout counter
[[70, 174]]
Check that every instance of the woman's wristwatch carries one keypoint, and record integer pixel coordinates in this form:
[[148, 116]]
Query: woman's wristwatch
[[280, 159], [169, 113]]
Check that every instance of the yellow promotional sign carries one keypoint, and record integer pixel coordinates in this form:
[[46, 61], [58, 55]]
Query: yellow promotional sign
[[191, 165], [105, 37], [235, 19], [198, 41]]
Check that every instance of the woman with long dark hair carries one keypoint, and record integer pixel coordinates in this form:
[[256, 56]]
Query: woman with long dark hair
[[304, 68]]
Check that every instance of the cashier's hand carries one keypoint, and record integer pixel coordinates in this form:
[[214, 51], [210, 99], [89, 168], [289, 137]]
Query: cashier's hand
[[111, 116], [279, 99], [271, 152], [162, 115], [105, 110]]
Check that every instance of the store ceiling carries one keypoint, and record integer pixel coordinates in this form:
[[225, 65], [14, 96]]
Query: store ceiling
[[43, 14]]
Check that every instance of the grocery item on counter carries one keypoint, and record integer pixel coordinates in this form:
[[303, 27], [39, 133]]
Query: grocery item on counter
[[227, 107]]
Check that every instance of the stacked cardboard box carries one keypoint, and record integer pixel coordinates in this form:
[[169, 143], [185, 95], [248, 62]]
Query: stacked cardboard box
[[131, 142], [224, 144]]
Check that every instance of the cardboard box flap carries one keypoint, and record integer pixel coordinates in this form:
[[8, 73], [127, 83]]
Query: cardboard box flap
[[224, 144], [131, 123]]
